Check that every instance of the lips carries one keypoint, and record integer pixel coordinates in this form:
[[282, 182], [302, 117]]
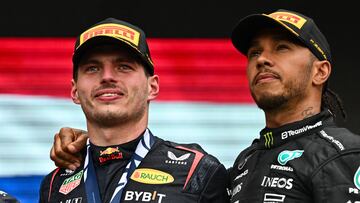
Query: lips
[[263, 77], [108, 94]]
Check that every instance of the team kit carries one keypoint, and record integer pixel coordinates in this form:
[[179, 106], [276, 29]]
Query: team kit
[[308, 160]]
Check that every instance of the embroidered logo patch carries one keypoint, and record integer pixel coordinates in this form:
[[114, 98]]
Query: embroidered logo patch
[[287, 155], [151, 176], [177, 160], [112, 30], [71, 183], [291, 18], [110, 153]]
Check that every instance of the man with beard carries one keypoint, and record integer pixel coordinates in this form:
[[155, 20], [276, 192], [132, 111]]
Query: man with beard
[[301, 155], [114, 82]]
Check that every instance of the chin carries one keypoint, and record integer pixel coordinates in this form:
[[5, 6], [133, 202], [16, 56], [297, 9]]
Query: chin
[[269, 100]]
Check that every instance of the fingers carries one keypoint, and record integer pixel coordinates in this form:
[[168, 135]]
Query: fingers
[[80, 141], [61, 155], [67, 136]]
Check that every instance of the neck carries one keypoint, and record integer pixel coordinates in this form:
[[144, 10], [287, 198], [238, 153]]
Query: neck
[[115, 135], [292, 112]]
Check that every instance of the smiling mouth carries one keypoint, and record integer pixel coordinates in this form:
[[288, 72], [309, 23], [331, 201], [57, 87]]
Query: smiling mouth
[[107, 94]]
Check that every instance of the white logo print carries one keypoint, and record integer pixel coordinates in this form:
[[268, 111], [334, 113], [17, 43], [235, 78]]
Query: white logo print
[[286, 134], [272, 198], [177, 160], [276, 182], [67, 172], [181, 158]]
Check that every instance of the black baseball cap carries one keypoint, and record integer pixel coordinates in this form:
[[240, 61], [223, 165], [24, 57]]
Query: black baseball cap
[[6, 198], [113, 31], [299, 25]]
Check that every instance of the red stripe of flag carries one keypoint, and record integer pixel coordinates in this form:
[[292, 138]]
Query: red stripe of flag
[[189, 69]]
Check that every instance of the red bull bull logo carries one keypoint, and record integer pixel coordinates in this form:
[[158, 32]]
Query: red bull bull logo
[[109, 150], [110, 153]]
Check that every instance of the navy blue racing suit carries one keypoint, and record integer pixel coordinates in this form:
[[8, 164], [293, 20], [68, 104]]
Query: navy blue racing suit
[[170, 172]]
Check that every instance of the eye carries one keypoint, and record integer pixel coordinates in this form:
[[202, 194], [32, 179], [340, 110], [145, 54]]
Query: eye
[[280, 47], [124, 68], [253, 53], [91, 69]]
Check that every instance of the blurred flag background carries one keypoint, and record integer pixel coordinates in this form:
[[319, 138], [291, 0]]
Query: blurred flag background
[[204, 96]]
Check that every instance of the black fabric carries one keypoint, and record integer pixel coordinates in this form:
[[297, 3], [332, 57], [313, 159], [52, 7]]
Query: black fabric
[[204, 182], [112, 169], [116, 32], [299, 25], [312, 160]]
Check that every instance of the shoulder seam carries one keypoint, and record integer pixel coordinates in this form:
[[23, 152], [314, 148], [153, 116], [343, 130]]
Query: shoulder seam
[[208, 182], [51, 182], [198, 157], [342, 153], [330, 139]]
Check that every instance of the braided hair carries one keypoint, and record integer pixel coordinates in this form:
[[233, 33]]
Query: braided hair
[[332, 101]]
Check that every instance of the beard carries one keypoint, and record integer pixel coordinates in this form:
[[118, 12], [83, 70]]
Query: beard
[[293, 90], [269, 101], [109, 118], [132, 110]]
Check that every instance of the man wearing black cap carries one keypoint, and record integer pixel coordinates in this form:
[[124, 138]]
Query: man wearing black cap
[[114, 82], [301, 155]]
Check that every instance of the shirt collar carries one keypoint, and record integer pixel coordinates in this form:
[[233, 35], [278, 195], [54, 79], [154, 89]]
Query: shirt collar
[[273, 137]]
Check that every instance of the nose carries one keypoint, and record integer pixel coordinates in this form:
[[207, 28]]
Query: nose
[[264, 60], [108, 74]]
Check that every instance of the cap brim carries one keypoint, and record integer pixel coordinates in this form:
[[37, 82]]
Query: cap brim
[[249, 26], [100, 40]]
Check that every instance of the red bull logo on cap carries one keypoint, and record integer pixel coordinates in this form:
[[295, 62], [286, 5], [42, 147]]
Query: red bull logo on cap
[[291, 18], [112, 30]]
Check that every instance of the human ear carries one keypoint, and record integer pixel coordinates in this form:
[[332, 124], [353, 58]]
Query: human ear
[[74, 92], [153, 82], [322, 70]]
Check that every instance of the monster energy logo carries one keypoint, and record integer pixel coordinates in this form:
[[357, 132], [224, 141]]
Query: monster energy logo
[[269, 139]]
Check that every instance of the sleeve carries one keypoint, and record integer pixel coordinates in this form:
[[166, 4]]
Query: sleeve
[[216, 189], [338, 179], [44, 190], [45, 187]]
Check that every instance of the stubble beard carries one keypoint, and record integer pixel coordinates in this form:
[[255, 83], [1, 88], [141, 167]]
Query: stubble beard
[[114, 117], [269, 101], [110, 118], [292, 90]]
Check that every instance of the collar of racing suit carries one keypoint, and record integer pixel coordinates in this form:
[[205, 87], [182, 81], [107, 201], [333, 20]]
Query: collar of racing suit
[[273, 137], [104, 155]]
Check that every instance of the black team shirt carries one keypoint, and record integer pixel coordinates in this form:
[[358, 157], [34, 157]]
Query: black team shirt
[[110, 163]]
